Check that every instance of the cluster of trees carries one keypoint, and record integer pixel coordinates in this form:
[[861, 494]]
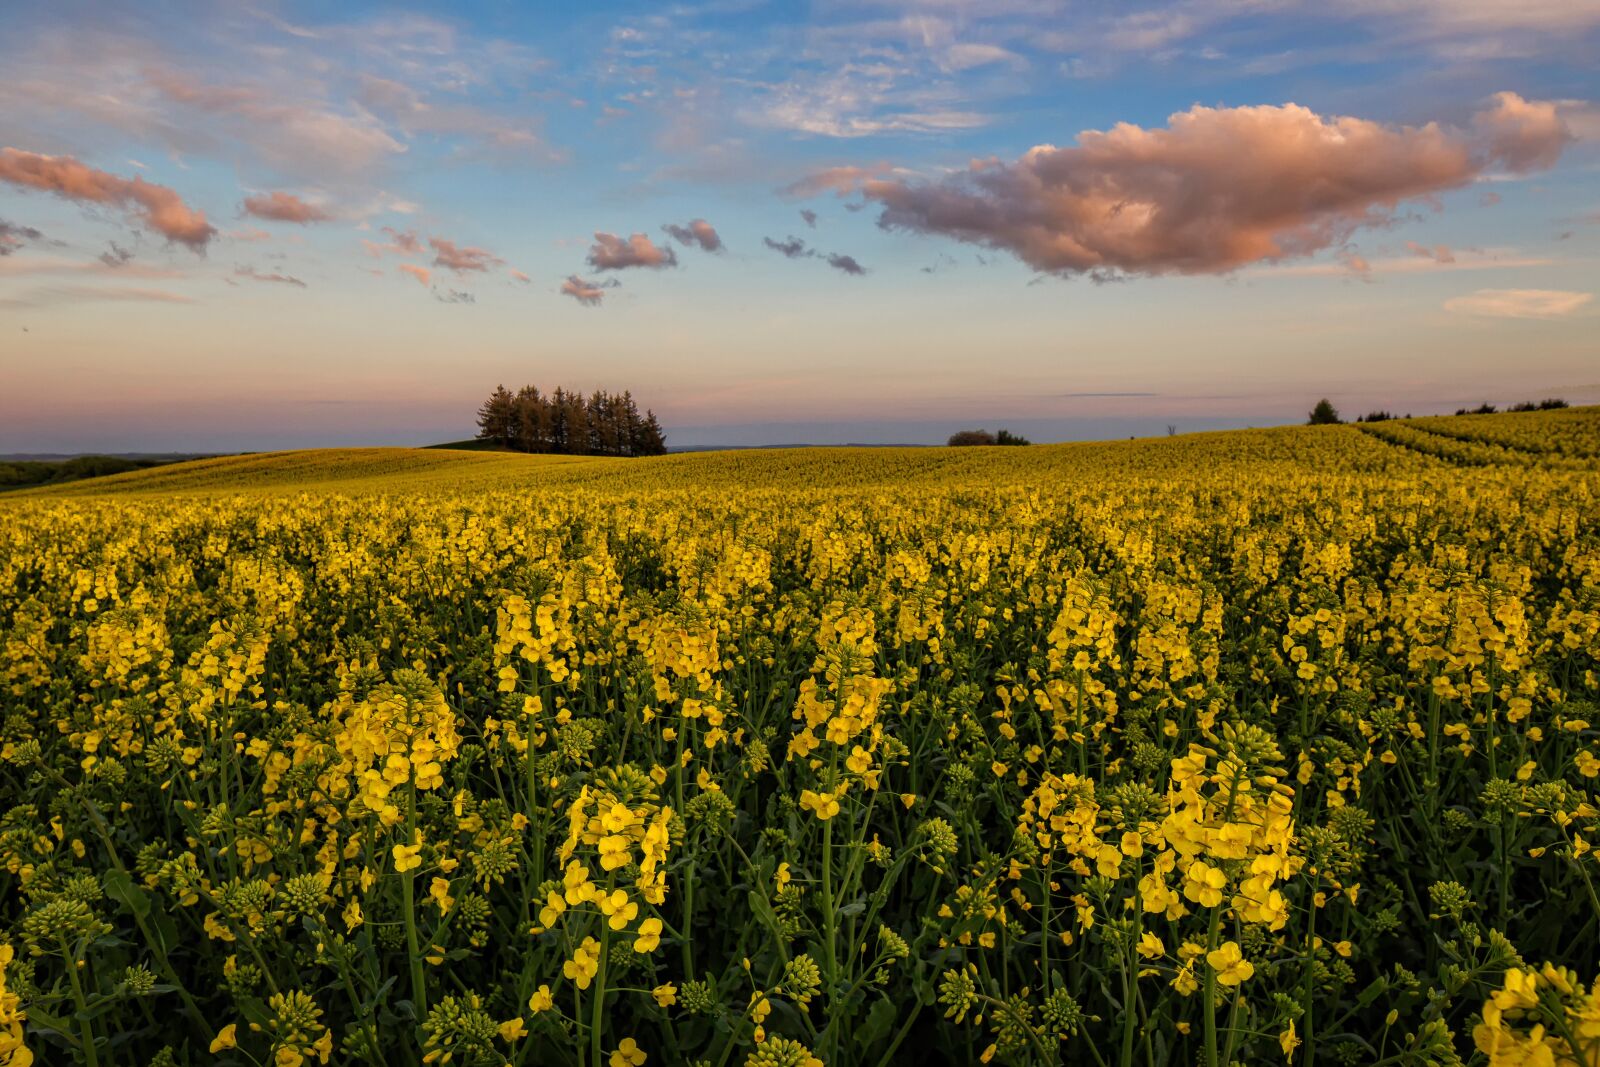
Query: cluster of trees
[[567, 422], [984, 437], [1325, 414]]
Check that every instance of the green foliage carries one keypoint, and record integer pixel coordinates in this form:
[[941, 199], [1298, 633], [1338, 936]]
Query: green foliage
[[1323, 413]]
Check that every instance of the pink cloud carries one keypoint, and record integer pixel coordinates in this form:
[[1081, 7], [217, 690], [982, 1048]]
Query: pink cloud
[[586, 292], [1438, 253], [157, 206], [1523, 134], [421, 274], [842, 181], [284, 207], [519, 276], [401, 243], [1216, 189], [610, 252], [449, 255]]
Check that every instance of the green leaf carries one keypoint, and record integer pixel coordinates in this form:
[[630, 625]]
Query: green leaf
[[119, 886], [879, 1023]]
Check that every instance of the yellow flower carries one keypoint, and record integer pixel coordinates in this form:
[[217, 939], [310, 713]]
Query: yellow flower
[[1230, 964], [576, 880], [406, 857], [666, 995], [825, 805], [614, 852], [628, 1054], [584, 964], [215, 929], [649, 936], [616, 906], [440, 892], [554, 906], [512, 1029], [1288, 1041], [1203, 884], [542, 1000], [617, 819], [226, 1038]]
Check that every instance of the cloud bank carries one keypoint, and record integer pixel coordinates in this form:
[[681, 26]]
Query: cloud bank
[[1216, 189]]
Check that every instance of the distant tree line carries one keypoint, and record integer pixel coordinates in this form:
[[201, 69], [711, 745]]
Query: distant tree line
[[23, 474], [1325, 414], [567, 422], [984, 437], [1548, 404]]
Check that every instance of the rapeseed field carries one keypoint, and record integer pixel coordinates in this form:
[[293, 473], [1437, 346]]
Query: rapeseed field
[[1273, 746]]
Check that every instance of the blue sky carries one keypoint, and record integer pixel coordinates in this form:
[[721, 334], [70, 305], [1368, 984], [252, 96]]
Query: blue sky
[[231, 226]]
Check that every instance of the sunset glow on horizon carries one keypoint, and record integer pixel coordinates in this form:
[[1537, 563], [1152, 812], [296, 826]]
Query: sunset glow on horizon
[[279, 225]]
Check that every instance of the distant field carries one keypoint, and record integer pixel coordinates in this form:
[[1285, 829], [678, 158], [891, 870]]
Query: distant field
[[1205, 749]]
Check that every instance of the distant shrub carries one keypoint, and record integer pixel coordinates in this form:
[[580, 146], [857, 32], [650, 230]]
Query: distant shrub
[[971, 437], [1377, 416], [1006, 437], [1324, 414]]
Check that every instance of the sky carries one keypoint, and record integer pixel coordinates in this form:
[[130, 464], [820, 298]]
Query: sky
[[249, 225]]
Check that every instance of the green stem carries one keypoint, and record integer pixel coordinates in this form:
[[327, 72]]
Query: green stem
[[1210, 1006], [1311, 970], [419, 985], [597, 1008], [85, 1027]]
